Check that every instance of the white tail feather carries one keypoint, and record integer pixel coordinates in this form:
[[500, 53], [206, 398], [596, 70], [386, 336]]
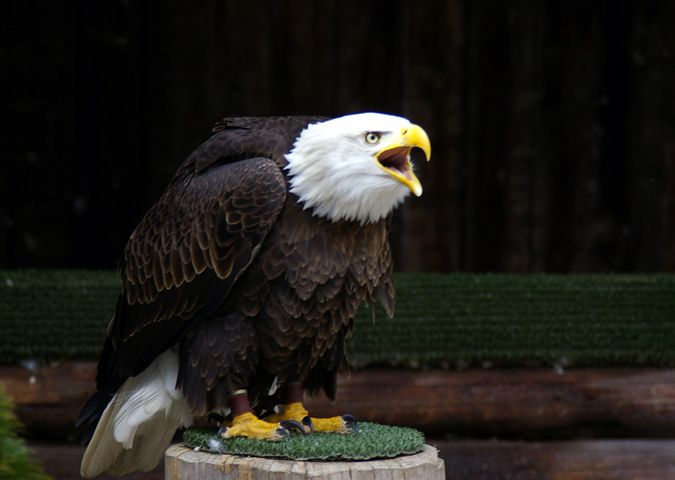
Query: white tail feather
[[138, 424]]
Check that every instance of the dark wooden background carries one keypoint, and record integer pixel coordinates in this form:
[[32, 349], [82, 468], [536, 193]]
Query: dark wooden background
[[552, 123]]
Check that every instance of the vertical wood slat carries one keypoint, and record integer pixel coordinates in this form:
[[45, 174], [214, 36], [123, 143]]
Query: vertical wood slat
[[651, 124], [426, 233], [572, 142], [552, 125]]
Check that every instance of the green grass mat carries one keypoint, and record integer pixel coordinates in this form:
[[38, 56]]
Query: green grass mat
[[445, 321], [373, 441], [461, 320], [54, 315]]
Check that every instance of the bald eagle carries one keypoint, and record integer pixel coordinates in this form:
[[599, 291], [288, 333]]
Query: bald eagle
[[240, 285]]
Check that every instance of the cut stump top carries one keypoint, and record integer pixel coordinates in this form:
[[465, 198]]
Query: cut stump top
[[184, 463]]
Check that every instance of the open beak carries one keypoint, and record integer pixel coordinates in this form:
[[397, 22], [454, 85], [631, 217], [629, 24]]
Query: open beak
[[395, 158]]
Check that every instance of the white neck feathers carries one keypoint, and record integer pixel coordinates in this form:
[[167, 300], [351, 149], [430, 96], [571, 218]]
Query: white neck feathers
[[335, 175]]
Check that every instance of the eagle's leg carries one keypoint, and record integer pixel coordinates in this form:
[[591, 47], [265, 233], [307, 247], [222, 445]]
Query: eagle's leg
[[246, 424], [218, 419], [294, 410]]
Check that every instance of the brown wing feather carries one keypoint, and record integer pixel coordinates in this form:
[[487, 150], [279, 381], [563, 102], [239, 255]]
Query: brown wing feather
[[186, 254], [247, 137], [193, 244]]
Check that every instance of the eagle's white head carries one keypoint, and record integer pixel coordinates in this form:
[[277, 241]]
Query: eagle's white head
[[356, 167]]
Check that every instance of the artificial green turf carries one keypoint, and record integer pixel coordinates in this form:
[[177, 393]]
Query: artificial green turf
[[441, 321], [462, 320], [54, 315], [373, 441]]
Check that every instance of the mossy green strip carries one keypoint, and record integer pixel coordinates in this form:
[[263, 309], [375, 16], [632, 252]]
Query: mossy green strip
[[373, 441], [55, 315], [441, 321], [460, 320]]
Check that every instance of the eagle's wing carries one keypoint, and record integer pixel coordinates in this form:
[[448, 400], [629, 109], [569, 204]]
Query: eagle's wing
[[184, 257]]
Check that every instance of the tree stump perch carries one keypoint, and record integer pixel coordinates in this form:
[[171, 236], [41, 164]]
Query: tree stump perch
[[183, 463]]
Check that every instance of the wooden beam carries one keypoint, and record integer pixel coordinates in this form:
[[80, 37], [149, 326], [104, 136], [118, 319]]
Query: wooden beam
[[512, 402], [561, 460], [536, 403], [49, 398], [471, 459], [62, 462]]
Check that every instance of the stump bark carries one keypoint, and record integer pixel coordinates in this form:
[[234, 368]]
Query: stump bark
[[183, 463]]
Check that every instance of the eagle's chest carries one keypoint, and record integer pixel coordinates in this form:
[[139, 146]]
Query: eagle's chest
[[311, 276], [318, 259]]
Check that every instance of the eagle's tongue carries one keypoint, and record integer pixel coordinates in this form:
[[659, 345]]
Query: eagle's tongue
[[396, 159]]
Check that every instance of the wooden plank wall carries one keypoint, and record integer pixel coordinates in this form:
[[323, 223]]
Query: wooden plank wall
[[552, 123], [612, 423]]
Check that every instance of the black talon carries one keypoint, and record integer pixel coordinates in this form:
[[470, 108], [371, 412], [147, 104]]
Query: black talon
[[307, 421], [216, 418], [350, 422], [283, 431], [288, 424]]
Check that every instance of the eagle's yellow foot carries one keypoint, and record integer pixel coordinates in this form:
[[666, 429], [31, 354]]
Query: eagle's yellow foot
[[341, 424], [248, 425], [297, 412]]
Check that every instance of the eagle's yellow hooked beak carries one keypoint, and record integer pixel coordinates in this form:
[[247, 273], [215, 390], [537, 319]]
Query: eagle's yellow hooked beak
[[395, 158]]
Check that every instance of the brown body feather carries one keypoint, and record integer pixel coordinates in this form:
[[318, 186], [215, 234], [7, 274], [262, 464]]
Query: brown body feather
[[229, 267]]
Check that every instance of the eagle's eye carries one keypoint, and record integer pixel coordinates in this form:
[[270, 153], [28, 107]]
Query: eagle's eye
[[372, 138]]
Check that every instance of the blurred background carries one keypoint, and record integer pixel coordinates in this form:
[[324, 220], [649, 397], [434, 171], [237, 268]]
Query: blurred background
[[552, 123]]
